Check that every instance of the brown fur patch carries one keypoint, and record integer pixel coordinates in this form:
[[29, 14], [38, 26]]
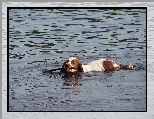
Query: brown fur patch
[[109, 66], [77, 65]]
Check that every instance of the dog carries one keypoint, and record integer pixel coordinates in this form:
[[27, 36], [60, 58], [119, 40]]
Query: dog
[[73, 64]]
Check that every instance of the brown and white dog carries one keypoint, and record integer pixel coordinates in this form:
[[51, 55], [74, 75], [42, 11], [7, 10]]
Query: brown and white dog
[[74, 65]]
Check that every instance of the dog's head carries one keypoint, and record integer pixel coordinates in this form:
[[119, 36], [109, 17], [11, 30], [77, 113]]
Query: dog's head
[[72, 65]]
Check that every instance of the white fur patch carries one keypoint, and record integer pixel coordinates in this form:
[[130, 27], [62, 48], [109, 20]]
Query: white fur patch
[[95, 65], [115, 65], [71, 58]]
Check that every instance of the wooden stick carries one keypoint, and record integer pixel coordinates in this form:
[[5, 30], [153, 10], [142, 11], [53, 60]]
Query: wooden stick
[[45, 71]]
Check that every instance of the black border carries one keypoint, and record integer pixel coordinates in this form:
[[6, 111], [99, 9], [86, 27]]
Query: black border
[[8, 8], [8, 60]]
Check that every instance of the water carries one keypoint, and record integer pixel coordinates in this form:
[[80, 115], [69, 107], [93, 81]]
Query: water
[[44, 38]]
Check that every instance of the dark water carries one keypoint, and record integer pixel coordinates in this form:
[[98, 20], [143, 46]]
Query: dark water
[[44, 38]]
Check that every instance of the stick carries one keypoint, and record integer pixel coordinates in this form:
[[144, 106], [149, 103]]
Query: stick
[[45, 71]]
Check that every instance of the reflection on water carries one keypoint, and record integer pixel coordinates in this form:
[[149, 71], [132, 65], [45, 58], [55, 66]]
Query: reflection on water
[[72, 79], [44, 38]]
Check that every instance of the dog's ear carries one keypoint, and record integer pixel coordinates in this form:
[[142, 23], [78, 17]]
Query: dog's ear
[[80, 68]]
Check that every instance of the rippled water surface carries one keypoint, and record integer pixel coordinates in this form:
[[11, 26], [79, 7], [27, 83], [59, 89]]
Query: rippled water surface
[[44, 38]]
